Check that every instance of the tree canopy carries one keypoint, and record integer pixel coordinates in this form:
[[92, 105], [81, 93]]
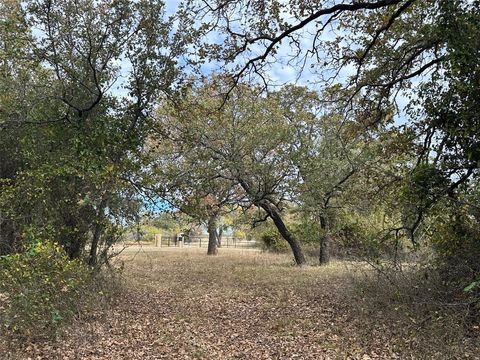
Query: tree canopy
[[73, 120]]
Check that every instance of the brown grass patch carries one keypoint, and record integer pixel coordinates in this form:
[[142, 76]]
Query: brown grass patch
[[245, 304]]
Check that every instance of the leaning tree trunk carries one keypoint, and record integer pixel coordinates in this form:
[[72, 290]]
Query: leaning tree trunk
[[324, 255], [212, 235], [275, 215]]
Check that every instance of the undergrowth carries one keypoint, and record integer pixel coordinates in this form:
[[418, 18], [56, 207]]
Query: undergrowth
[[41, 290], [422, 309]]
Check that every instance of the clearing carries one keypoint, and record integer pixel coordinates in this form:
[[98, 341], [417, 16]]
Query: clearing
[[245, 304]]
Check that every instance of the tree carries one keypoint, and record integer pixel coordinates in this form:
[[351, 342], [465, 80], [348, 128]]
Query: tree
[[185, 177], [326, 169], [384, 59], [248, 145], [403, 64], [19, 74], [81, 141]]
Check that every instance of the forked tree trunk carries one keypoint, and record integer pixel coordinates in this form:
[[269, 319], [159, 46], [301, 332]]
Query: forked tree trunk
[[219, 234], [275, 215], [324, 255], [212, 235]]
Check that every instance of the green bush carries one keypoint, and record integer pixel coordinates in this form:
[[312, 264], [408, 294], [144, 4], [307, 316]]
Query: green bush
[[456, 242], [40, 289], [307, 231], [273, 241]]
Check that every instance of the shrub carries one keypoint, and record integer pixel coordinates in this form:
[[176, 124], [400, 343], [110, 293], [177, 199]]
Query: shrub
[[273, 241], [307, 231], [456, 242], [40, 289]]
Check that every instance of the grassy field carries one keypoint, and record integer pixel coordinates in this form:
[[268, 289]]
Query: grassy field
[[245, 304]]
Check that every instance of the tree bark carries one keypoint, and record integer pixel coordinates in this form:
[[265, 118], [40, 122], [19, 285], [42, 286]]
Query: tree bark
[[92, 258], [74, 249], [275, 215], [219, 234], [9, 237], [324, 255], [212, 235], [73, 241], [97, 232]]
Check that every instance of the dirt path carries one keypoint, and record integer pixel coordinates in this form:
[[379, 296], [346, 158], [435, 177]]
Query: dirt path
[[239, 305]]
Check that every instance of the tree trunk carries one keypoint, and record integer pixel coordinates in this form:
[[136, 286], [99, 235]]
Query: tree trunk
[[324, 255], [212, 235], [74, 249], [9, 237], [73, 241], [92, 258], [275, 215], [219, 234], [97, 232]]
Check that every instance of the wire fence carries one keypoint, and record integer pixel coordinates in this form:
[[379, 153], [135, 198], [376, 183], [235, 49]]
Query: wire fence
[[202, 241]]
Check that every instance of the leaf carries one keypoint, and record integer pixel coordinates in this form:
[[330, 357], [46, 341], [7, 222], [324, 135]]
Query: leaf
[[472, 286]]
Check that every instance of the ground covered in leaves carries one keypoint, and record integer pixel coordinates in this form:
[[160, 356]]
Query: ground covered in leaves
[[244, 304]]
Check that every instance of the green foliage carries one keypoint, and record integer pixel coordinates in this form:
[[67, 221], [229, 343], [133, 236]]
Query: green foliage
[[272, 240], [456, 241], [239, 234], [369, 235], [451, 99], [40, 290], [70, 148], [171, 223], [423, 184], [473, 286], [148, 232], [307, 231]]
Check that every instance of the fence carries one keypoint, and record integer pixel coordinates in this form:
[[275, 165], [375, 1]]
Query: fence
[[202, 241]]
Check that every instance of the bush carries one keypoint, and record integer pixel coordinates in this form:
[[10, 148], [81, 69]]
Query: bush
[[456, 243], [307, 232], [40, 289], [273, 241]]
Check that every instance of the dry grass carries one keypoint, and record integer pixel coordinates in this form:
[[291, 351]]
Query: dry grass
[[244, 304]]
